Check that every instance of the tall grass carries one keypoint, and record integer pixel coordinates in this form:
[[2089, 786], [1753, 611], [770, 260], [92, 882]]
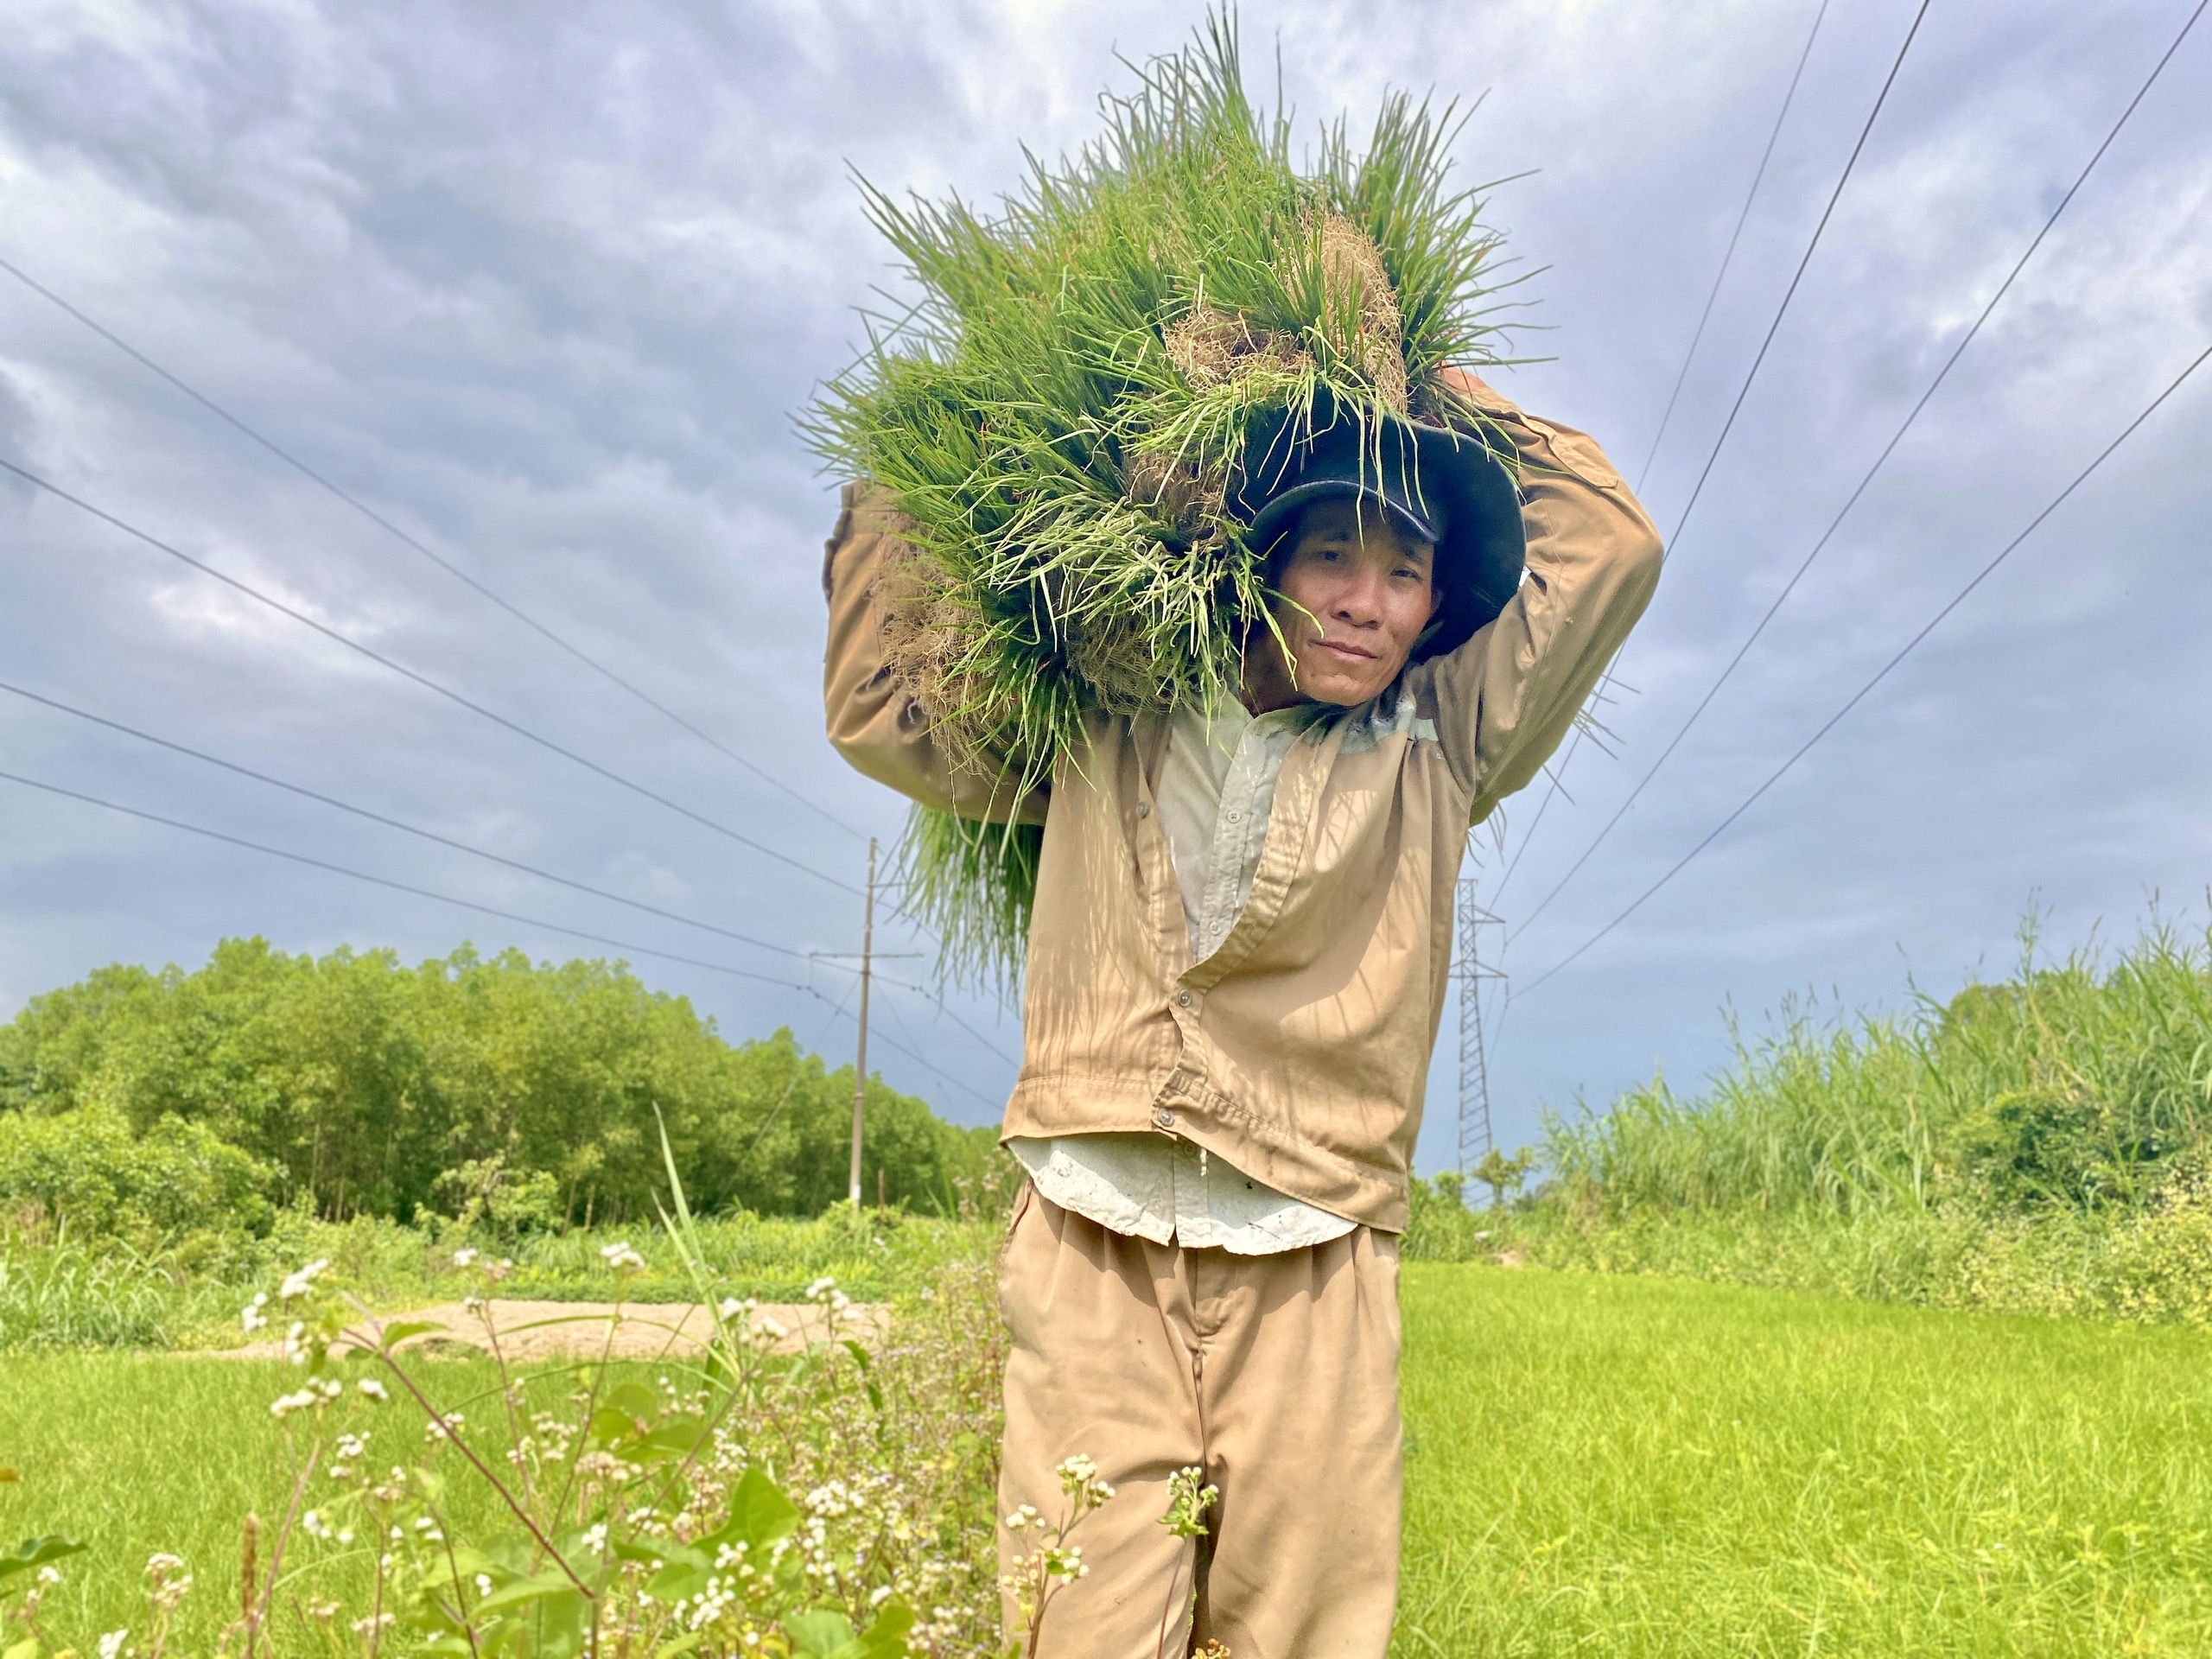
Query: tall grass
[[67, 1294], [2042, 1145], [2081, 1085]]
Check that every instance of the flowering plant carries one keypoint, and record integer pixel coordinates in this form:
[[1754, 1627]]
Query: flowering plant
[[831, 1503]]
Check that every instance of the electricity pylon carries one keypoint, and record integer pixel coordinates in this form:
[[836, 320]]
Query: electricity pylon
[[1476, 1138]]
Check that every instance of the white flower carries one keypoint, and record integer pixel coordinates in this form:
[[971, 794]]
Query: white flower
[[820, 1289], [111, 1643], [620, 1256], [49, 1577], [773, 1328], [171, 1581], [302, 1281], [374, 1390], [284, 1405], [464, 1258], [313, 1524], [731, 1309], [251, 1317]]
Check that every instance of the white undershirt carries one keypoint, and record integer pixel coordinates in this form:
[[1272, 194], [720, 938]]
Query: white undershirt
[[1216, 794]]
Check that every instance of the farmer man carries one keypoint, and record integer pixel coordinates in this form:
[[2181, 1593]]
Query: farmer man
[[1237, 965]]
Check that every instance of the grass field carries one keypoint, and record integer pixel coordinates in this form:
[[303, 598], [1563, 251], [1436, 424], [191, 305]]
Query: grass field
[[1621, 1466], [132, 1454], [1633, 1466]]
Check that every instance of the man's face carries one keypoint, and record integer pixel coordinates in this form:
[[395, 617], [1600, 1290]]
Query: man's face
[[1355, 598]]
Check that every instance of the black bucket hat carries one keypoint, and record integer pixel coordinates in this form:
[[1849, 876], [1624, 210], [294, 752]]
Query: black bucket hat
[[1447, 488]]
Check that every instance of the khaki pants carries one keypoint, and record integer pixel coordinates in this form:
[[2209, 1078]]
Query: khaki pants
[[1277, 1375]]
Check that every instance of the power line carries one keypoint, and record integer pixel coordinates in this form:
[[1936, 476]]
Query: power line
[[946, 1013], [452, 570], [388, 822], [1752, 374], [384, 882], [334, 869], [1790, 293], [1857, 697], [798, 1069], [888, 1041], [422, 680], [1727, 258], [432, 835], [1555, 778], [1881, 460]]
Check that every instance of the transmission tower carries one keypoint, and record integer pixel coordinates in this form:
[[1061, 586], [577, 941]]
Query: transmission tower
[[1470, 970]]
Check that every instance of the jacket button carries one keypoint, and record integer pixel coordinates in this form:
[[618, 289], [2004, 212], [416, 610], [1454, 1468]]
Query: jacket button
[[1144, 809], [1163, 1117], [1182, 998]]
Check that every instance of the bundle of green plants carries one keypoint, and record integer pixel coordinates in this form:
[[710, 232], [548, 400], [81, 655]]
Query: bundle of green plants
[[1061, 418]]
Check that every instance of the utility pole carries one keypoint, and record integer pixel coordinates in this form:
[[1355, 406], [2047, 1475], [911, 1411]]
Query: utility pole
[[1476, 1138], [860, 1063]]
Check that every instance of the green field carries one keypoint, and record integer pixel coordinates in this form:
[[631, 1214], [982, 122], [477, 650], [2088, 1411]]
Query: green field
[[1608, 1465], [1628, 1466], [136, 1453]]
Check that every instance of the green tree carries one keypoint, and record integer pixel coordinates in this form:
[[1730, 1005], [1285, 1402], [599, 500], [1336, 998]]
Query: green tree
[[362, 1082]]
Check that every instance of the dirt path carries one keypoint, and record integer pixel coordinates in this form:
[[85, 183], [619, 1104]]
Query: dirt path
[[535, 1331]]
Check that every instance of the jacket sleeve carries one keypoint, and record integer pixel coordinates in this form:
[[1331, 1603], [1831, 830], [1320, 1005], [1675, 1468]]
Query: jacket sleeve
[[881, 731], [1504, 700]]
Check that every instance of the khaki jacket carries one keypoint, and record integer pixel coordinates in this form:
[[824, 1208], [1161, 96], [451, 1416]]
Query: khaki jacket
[[1300, 1050]]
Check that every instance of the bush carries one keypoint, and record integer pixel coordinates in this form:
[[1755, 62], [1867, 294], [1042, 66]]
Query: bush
[[86, 1172]]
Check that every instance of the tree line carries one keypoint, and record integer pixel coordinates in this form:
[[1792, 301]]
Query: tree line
[[535, 1089]]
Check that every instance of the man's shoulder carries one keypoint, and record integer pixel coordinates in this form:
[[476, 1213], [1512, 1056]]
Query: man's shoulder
[[1400, 712]]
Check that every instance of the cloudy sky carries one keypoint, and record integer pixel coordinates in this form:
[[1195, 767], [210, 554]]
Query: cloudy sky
[[542, 288]]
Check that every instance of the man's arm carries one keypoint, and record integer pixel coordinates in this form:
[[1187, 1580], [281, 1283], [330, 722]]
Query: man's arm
[[873, 723], [1505, 699]]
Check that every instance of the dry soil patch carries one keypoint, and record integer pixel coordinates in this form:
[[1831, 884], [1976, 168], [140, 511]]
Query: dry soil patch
[[534, 1330]]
